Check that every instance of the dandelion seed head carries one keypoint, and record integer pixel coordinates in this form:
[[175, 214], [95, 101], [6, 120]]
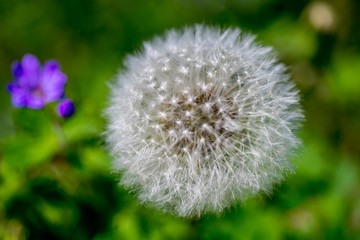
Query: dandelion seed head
[[215, 128]]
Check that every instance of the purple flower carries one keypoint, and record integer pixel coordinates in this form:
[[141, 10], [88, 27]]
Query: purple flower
[[66, 108], [34, 85]]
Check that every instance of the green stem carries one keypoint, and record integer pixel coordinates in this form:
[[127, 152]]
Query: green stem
[[194, 230], [56, 127], [59, 133]]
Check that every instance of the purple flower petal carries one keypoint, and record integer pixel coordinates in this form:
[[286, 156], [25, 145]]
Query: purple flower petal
[[52, 81], [30, 71], [13, 87], [19, 95], [17, 70], [35, 86], [66, 108], [35, 101]]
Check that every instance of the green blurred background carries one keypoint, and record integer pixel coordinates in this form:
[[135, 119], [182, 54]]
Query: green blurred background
[[50, 189]]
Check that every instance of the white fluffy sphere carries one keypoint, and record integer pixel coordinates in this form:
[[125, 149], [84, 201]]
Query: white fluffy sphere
[[202, 118]]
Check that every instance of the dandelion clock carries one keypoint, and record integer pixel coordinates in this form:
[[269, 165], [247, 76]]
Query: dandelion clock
[[200, 119]]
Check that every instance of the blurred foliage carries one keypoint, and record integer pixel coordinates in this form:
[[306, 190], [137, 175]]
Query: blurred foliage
[[55, 178]]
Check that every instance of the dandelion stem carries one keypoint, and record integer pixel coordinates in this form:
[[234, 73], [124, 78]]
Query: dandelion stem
[[194, 229]]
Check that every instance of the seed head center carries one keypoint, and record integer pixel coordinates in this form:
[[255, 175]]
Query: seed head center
[[196, 121]]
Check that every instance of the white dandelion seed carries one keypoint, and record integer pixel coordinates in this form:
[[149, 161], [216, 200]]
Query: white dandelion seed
[[200, 119]]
